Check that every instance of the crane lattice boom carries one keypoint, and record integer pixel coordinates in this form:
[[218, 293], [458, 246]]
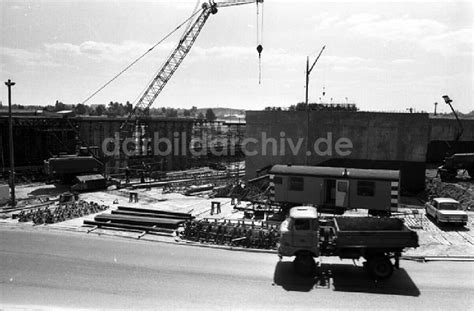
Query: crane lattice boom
[[175, 59], [178, 54]]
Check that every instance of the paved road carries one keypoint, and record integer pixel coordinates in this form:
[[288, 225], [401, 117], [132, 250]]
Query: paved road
[[72, 270]]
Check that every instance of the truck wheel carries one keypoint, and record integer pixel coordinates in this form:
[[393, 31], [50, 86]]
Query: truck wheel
[[380, 267], [304, 265]]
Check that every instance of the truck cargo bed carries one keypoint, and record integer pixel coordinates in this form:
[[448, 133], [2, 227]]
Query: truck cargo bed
[[370, 232]]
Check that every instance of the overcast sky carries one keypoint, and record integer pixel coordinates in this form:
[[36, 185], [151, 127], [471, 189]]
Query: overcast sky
[[381, 55]]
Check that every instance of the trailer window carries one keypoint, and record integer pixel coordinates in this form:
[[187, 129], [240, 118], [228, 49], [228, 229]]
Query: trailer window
[[302, 224], [277, 180], [296, 184], [342, 187], [366, 188]]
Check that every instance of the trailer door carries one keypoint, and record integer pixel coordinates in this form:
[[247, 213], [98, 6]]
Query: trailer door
[[342, 193]]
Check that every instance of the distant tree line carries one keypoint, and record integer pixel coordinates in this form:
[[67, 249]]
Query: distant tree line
[[116, 109], [352, 107], [315, 107]]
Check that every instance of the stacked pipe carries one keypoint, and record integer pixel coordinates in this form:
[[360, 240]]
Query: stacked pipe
[[62, 212], [232, 234]]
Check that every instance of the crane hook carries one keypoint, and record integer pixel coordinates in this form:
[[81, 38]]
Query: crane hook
[[259, 50]]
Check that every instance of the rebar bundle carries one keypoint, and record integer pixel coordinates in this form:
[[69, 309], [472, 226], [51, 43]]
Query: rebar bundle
[[61, 212], [232, 234]]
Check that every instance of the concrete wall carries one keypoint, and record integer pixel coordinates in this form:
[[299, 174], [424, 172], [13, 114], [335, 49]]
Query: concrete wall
[[442, 135], [446, 129], [359, 140]]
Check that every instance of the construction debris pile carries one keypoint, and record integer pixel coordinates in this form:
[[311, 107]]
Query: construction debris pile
[[62, 212], [197, 186], [264, 236], [180, 180], [229, 187], [245, 191], [464, 193]]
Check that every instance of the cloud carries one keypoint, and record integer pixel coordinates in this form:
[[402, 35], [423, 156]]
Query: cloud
[[16, 7], [20, 54], [427, 34], [25, 58], [326, 21], [357, 19], [458, 42], [66, 48], [76, 55], [398, 29], [348, 60], [185, 5], [225, 51], [101, 51], [402, 61]]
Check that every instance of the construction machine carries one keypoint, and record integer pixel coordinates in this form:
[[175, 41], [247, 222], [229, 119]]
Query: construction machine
[[67, 167], [458, 161]]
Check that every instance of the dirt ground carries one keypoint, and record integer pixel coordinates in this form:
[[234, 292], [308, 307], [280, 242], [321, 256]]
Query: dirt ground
[[461, 190]]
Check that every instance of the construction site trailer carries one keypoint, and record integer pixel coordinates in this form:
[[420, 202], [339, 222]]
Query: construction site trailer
[[336, 189]]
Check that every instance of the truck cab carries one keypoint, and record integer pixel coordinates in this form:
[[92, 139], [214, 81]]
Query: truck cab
[[300, 232]]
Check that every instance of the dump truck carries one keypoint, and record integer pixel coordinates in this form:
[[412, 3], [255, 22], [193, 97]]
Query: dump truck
[[380, 241]]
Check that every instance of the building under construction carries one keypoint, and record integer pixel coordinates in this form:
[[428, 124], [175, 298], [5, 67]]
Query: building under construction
[[39, 137], [162, 144]]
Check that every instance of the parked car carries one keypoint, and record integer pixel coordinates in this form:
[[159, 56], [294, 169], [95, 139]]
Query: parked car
[[446, 210]]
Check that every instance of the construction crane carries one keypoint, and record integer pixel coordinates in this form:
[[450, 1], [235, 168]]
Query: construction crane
[[448, 101], [308, 71], [179, 53]]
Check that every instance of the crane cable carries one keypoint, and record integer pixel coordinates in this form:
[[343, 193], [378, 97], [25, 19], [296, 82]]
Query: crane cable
[[140, 57], [259, 39]]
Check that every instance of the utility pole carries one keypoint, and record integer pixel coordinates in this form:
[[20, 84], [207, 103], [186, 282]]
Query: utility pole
[[436, 104], [9, 84]]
